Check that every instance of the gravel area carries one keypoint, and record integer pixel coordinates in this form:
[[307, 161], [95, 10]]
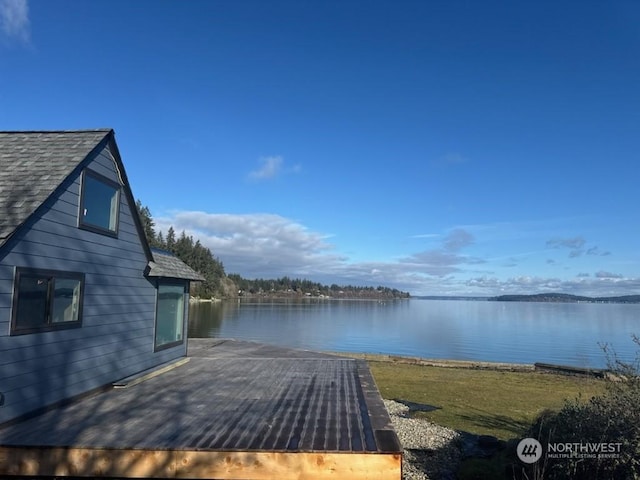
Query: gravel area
[[431, 452]]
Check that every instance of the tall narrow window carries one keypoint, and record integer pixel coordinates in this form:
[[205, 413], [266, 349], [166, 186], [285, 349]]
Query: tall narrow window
[[46, 300], [170, 315], [99, 204]]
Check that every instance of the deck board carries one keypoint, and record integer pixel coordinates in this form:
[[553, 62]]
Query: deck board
[[232, 400]]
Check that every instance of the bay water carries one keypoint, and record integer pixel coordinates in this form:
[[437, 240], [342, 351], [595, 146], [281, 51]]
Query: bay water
[[514, 332]]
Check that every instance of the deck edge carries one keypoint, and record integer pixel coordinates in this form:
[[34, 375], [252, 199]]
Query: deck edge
[[223, 465]]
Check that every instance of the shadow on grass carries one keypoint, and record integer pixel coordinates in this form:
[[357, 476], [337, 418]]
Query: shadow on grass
[[417, 407], [497, 422]]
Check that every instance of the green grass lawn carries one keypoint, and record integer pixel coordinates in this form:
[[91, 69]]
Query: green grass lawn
[[485, 402]]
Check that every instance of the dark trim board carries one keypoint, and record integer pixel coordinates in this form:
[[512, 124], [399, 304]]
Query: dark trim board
[[235, 410]]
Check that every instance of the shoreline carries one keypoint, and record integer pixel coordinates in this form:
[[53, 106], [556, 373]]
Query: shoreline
[[296, 298], [542, 368], [434, 362], [537, 367]]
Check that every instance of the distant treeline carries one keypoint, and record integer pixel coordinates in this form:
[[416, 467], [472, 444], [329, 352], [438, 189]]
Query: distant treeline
[[563, 297], [286, 286], [220, 285]]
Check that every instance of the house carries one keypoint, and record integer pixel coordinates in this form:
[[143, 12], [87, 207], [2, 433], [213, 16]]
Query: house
[[84, 301]]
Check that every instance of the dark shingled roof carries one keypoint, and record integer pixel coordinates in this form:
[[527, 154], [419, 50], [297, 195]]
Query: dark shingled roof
[[33, 165], [166, 264]]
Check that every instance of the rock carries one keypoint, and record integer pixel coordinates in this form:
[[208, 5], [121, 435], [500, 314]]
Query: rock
[[430, 451], [512, 446], [481, 446], [488, 441]]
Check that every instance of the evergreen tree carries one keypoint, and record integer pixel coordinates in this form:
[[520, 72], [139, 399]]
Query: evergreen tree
[[170, 242], [147, 222]]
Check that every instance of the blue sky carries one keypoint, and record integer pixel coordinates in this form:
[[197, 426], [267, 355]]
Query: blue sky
[[440, 147]]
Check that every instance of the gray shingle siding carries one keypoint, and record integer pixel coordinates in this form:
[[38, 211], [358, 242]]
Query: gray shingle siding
[[116, 338]]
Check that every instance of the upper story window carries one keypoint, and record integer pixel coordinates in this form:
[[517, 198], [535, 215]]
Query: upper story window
[[99, 204], [46, 300]]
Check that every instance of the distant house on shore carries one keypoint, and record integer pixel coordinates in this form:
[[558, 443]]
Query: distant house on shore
[[84, 301]]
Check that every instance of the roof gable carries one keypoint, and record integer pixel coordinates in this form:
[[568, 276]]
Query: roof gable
[[34, 164]]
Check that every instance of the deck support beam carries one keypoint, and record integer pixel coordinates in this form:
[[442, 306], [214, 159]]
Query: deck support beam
[[231, 465]]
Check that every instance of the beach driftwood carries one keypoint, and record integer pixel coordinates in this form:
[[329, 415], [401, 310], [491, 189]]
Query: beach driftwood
[[569, 370]]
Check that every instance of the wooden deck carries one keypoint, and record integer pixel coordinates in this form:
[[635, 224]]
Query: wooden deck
[[235, 410]]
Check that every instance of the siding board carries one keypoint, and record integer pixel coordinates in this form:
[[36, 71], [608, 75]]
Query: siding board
[[75, 250], [98, 370], [15, 361], [67, 206], [58, 365], [120, 290], [57, 380], [63, 217], [5, 299], [103, 332], [123, 305], [127, 269], [127, 249], [105, 279], [104, 166], [75, 255], [131, 310], [6, 272]]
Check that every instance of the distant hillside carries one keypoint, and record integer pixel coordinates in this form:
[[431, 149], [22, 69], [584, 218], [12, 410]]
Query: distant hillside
[[286, 287], [565, 298], [452, 297]]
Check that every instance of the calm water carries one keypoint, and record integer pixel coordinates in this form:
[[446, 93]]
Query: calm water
[[518, 332]]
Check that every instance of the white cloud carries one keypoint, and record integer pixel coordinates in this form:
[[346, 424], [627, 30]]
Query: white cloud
[[576, 246], [425, 235], [602, 284], [596, 251], [257, 245], [572, 243], [14, 20], [458, 239], [603, 274], [270, 167], [268, 246], [446, 259], [450, 158], [262, 245]]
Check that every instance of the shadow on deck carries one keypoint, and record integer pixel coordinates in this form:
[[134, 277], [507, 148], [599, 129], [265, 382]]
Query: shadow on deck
[[234, 410]]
